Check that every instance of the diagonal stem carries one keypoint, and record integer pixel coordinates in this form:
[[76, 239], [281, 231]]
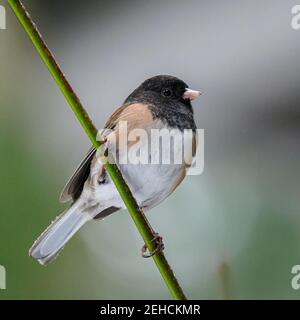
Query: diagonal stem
[[136, 213]]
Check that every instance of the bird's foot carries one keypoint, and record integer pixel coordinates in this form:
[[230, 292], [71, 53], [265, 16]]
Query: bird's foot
[[159, 247]]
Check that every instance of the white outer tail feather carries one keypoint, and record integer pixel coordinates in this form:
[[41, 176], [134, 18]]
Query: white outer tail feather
[[46, 248]]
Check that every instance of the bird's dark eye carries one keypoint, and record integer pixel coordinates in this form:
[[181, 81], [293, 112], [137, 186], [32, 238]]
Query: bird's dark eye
[[167, 92]]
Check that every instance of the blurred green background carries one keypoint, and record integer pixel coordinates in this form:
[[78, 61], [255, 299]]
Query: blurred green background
[[239, 221]]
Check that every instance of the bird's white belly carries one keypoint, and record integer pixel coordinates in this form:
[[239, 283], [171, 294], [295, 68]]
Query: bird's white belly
[[151, 183]]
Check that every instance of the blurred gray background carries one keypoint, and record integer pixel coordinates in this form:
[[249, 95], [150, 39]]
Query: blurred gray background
[[232, 232]]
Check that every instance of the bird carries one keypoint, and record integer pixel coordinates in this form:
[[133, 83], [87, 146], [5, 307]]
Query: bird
[[162, 102]]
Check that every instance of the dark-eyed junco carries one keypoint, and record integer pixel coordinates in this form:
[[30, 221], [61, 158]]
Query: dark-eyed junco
[[161, 102]]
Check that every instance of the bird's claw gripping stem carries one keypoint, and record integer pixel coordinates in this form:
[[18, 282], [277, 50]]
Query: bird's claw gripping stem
[[159, 247]]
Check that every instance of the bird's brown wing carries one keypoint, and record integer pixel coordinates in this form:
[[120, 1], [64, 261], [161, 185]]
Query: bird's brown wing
[[137, 116]]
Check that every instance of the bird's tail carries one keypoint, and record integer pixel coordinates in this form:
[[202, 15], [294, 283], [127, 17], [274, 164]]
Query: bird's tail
[[46, 248]]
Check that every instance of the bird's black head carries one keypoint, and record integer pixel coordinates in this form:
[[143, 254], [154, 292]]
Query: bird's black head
[[163, 89], [168, 97]]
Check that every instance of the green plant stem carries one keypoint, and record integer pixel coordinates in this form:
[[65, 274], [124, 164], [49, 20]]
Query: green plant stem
[[136, 213]]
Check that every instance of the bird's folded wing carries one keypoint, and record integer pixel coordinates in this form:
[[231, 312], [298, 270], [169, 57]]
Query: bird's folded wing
[[74, 186]]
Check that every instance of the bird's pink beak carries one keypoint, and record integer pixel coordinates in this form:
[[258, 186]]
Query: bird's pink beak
[[191, 94]]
